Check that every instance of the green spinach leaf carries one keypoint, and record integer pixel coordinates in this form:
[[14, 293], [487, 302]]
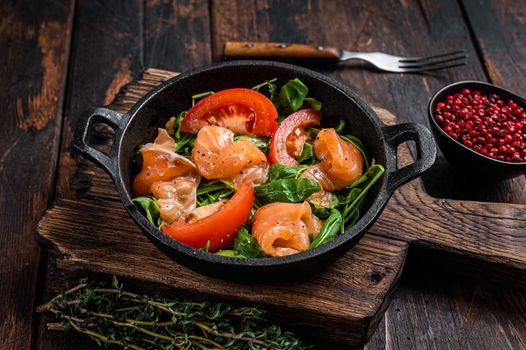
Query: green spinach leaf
[[359, 144], [307, 154], [286, 190], [246, 245], [185, 144], [260, 142], [280, 171], [177, 124], [291, 97], [272, 88], [312, 103], [150, 209], [356, 195], [213, 191], [231, 253], [330, 229]]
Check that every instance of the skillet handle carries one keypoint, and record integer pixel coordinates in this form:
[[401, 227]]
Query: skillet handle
[[425, 147], [114, 119]]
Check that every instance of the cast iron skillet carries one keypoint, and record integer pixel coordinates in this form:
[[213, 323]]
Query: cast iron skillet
[[153, 110]]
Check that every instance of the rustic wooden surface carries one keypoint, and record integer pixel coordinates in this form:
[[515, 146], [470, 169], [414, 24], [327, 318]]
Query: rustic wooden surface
[[435, 309], [34, 42]]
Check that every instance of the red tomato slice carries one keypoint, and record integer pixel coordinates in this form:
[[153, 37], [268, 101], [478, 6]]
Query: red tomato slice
[[244, 111], [302, 119], [219, 228]]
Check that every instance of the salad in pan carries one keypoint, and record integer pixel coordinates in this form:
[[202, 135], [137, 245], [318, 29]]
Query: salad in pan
[[250, 173]]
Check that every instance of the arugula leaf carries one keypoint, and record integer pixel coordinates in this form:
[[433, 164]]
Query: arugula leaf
[[280, 171], [291, 97], [330, 229], [286, 190], [150, 209], [246, 245], [231, 253], [261, 142], [177, 124], [358, 144], [307, 154], [209, 192], [270, 86], [340, 127], [355, 198], [137, 157], [312, 103], [185, 144], [200, 96]]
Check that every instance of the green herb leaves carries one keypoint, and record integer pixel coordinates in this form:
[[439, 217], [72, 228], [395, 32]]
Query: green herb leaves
[[246, 245], [260, 142], [284, 185], [280, 171], [150, 209], [213, 191], [331, 227], [351, 198], [292, 96], [286, 190], [111, 315]]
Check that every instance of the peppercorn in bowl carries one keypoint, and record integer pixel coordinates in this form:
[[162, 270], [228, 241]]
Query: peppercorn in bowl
[[480, 128]]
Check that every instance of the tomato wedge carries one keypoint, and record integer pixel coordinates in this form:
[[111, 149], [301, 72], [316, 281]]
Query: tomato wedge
[[301, 119], [244, 111], [219, 228]]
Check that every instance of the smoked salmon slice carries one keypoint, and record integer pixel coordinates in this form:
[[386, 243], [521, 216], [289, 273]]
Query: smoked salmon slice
[[160, 162], [284, 228], [218, 156], [170, 177], [340, 161]]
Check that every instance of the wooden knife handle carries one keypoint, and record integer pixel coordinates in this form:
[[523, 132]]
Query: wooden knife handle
[[239, 49]]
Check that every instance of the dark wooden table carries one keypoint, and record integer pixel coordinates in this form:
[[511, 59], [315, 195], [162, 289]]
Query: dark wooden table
[[59, 57]]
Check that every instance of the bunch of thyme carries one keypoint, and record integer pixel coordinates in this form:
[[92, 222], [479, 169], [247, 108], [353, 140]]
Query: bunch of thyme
[[111, 315]]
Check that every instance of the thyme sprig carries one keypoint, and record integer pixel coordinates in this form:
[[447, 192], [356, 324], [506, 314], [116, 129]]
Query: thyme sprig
[[110, 315]]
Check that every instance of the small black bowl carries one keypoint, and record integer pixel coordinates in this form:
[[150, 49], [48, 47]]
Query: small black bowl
[[153, 110], [463, 158]]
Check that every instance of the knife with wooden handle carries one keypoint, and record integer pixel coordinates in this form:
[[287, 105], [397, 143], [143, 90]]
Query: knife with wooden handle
[[250, 49]]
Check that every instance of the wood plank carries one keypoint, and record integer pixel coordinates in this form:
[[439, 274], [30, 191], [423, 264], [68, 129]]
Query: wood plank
[[106, 54], [34, 41], [407, 28], [503, 50], [176, 34], [438, 309], [501, 44]]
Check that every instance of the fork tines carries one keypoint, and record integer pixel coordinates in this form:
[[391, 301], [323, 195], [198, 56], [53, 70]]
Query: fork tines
[[429, 63]]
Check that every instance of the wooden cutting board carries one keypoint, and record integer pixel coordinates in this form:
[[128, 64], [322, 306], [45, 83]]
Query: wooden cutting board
[[94, 235]]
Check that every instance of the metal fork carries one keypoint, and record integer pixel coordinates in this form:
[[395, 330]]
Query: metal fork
[[380, 60], [398, 64]]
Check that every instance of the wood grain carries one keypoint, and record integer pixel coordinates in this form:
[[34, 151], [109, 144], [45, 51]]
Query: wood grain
[[244, 49], [405, 28], [176, 34], [502, 50], [34, 41], [106, 54], [107, 40]]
